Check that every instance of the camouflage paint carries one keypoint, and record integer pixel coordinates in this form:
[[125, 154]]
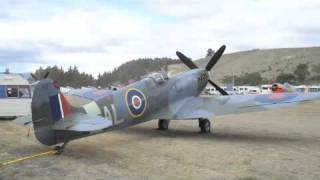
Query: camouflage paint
[[176, 98]]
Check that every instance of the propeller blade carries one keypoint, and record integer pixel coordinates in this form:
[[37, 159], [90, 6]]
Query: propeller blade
[[34, 77], [218, 88], [187, 61], [215, 58], [46, 75]]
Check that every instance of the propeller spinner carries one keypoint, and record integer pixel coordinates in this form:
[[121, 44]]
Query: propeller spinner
[[212, 62]]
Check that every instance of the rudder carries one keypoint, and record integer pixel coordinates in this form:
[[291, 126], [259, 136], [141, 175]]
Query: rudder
[[48, 106]]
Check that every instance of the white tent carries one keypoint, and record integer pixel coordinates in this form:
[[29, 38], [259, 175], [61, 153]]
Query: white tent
[[12, 79]]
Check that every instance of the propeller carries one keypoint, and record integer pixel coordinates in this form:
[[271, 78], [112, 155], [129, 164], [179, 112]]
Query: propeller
[[34, 77], [212, 62], [187, 61], [215, 58], [45, 76], [218, 88]]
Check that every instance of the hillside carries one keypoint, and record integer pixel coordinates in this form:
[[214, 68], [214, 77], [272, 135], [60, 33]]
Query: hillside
[[270, 62]]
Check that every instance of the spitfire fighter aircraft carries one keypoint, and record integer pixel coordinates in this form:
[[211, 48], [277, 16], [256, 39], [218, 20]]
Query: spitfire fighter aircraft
[[58, 119]]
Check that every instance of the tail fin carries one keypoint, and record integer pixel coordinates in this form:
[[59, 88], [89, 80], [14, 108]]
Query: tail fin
[[48, 107]]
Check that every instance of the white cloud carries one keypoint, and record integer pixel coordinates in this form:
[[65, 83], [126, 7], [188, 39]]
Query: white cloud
[[101, 34], [98, 37], [264, 24]]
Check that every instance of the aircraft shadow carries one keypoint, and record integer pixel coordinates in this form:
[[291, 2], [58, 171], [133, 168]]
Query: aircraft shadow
[[80, 151], [217, 135]]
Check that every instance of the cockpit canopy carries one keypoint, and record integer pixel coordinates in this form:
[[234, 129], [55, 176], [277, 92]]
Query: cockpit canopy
[[159, 78]]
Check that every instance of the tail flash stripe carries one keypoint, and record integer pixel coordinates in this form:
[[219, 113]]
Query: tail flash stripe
[[55, 107], [65, 106], [60, 106]]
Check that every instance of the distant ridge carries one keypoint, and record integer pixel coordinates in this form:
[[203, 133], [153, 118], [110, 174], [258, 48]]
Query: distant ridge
[[269, 62]]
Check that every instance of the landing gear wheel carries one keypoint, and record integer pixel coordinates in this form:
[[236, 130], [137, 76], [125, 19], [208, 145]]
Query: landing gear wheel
[[60, 149], [163, 124], [205, 125]]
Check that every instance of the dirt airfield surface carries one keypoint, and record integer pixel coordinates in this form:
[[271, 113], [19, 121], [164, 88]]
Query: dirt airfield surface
[[279, 144]]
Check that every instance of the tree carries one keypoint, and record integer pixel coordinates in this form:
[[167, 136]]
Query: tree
[[315, 79], [302, 72], [132, 70], [254, 79], [249, 79], [286, 78], [72, 77], [7, 71], [228, 79], [210, 52], [316, 69]]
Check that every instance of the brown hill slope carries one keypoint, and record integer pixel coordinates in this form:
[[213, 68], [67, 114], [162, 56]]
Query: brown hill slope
[[270, 62]]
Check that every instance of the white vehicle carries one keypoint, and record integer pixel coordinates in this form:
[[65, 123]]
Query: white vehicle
[[211, 90], [248, 90], [15, 96], [231, 90], [66, 90], [301, 88], [314, 88], [266, 89]]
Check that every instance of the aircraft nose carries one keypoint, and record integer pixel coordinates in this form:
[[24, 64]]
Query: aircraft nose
[[203, 80]]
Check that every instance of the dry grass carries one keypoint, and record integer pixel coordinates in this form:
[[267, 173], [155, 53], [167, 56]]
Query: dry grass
[[281, 144]]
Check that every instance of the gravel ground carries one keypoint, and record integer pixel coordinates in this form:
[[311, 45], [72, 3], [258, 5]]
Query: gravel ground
[[280, 144]]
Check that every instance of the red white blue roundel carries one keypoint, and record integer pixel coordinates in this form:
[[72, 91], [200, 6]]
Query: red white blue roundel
[[136, 102]]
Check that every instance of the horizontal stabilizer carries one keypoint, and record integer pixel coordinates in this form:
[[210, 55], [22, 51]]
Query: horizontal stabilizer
[[24, 120], [82, 123]]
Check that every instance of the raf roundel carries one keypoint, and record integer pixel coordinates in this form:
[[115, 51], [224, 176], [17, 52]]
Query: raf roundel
[[136, 102]]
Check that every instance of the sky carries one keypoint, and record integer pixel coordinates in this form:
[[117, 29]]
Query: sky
[[100, 35]]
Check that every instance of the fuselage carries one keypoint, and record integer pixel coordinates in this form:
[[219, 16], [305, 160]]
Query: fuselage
[[137, 102], [57, 119]]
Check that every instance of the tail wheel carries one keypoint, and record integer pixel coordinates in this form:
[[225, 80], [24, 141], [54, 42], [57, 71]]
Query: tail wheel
[[205, 125], [163, 124], [60, 149]]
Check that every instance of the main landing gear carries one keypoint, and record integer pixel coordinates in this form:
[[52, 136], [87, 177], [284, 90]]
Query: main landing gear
[[205, 125], [60, 149], [163, 124]]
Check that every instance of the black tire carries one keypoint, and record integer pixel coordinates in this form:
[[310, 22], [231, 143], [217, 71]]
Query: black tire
[[59, 150], [163, 124], [200, 122], [205, 125], [8, 118]]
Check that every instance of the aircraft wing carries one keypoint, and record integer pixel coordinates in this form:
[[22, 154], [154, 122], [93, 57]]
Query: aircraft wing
[[208, 107], [82, 123]]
